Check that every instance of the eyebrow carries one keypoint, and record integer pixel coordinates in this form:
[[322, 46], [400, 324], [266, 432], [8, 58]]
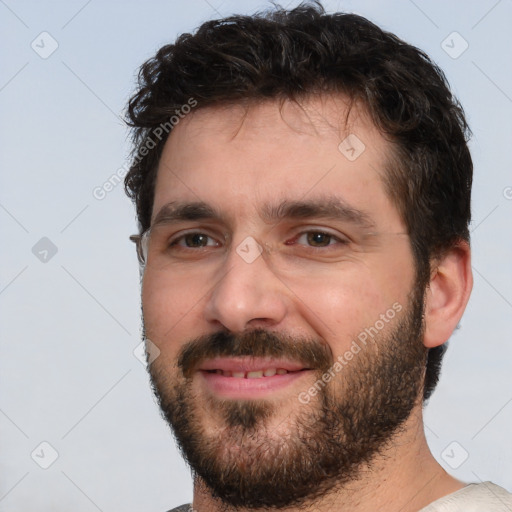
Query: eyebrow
[[328, 208], [178, 211]]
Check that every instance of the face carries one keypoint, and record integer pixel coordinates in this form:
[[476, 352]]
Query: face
[[280, 290]]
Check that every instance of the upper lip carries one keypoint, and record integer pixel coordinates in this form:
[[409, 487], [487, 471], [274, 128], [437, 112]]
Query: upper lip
[[249, 364]]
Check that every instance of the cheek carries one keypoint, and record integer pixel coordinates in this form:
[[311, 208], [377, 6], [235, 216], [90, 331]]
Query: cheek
[[340, 308], [342, 305], [170, 308], [396, 276]]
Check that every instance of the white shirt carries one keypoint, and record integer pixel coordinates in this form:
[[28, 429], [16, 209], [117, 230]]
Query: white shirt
[[484, 497]]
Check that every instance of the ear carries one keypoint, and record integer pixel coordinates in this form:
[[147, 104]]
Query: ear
[[447, 294]]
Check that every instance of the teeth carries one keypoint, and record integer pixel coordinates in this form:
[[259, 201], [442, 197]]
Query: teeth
[[257, 374]]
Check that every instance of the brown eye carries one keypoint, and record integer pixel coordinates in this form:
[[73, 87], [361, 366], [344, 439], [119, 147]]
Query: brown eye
[[193, 241], [318, 239], [196, 239]]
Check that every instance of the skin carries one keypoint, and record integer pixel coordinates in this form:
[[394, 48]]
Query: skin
[[237, 160]]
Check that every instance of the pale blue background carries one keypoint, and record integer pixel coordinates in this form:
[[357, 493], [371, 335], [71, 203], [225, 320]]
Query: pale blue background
[[69, 326]]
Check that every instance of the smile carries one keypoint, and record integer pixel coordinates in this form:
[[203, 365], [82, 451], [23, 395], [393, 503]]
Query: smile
[[257, 374], [245, 378]]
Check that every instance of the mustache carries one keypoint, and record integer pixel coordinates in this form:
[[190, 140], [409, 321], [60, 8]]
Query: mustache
[[311, 353]]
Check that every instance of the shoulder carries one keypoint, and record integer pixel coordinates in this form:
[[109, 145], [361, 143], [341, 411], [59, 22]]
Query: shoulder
[[183, 508], [483, 497]]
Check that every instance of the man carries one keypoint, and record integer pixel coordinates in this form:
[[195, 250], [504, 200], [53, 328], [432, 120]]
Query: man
[[302, 183]]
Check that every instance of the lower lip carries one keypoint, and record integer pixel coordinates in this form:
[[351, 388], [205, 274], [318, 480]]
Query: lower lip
[[242, 388]]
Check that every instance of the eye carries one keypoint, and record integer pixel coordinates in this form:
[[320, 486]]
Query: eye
[[319, 239], [193, 240]]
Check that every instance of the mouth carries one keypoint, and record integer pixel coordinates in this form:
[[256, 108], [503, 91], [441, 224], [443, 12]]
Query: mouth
[[245, 378], [255, 374]]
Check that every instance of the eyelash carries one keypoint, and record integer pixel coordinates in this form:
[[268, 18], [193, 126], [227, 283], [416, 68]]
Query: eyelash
[[175, 241], [332, 237]]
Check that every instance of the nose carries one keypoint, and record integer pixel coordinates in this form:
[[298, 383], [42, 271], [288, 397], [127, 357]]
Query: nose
[[247, 294]]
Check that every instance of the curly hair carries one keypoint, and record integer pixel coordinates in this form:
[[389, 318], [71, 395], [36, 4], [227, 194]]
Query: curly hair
[[290, 54]]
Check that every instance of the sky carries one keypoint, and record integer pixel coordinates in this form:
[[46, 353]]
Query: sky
[[79, 427]]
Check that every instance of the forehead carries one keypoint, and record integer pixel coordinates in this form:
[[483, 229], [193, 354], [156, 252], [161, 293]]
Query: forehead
[[239, 157]]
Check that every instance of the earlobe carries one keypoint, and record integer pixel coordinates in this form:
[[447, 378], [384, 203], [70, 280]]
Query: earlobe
[[447, 294]]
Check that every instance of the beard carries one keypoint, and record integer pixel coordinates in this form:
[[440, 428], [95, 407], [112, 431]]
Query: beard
[[247, 460]]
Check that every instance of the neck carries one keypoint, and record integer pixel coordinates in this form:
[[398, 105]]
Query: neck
[[404, 477]]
